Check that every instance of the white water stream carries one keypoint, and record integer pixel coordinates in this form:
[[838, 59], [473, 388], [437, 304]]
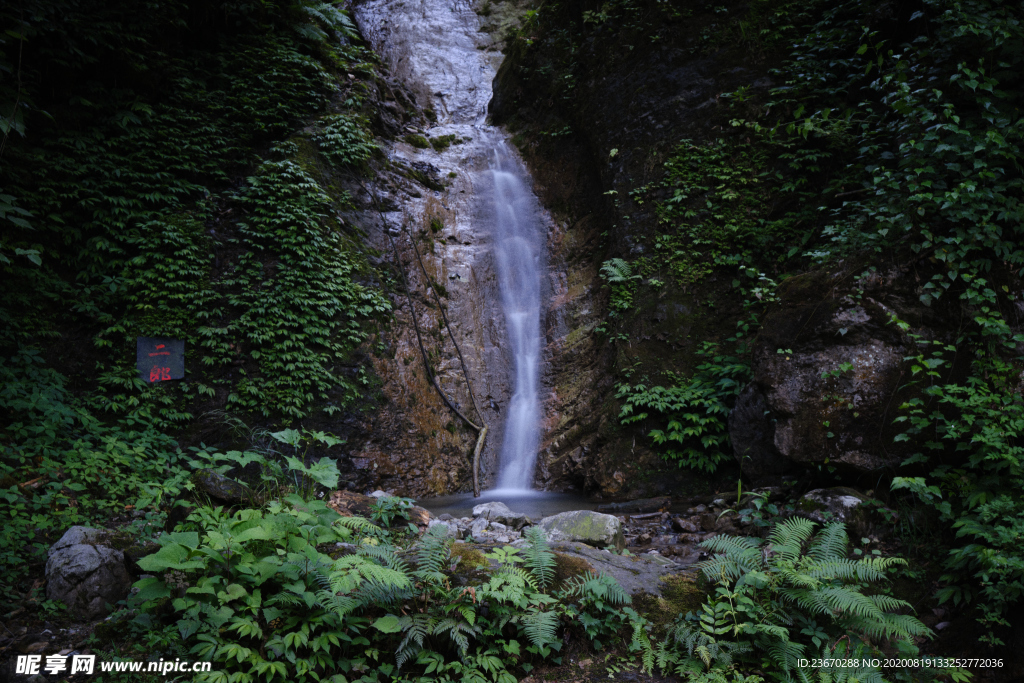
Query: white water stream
[[516, 246], [437, 49]]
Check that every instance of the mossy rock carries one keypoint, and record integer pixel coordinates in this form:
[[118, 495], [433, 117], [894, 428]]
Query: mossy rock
[[679, 594], [568, 566], [585, 526], [473, 567], [417, 141], [443, 142], [469, 557]]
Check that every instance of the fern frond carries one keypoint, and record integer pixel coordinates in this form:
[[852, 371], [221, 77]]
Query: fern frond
[[433, 552], [845, 600], [734, 557], [356, 524], [846, 570], [599, 586], [457, 631], [788, 537], [616, 270], [887, 603], [891, 626], [830, 543], [786, 653], [283, 598], [540, 627], [386, 555], [416, 627], [642, 643], [538, 557]]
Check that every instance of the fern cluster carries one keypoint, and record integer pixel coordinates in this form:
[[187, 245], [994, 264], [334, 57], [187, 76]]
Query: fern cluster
[[776, 598]]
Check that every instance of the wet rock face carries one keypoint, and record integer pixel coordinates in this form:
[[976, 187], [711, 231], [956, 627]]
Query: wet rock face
[[434, 230], [84, 574], [827, 365], [628, 109]]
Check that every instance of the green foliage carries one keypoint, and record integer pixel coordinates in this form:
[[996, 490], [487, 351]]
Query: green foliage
[[777, 597], [323, 473], [301, 317], [599, 605], [267, 595], [125, 138], [388, 508], [344, 141], [252, 598], [694, 411], [110, 211], [930, 170], [538, 558], [443, 142], [715, 214], [59, 466], [934, 169], [417, 141], [977, 491], [619, 274]]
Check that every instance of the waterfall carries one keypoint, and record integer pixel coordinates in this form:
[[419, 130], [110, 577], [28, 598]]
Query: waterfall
[[516, 246], [496, 229]]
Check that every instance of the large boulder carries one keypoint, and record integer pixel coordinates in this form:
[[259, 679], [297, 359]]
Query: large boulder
[[85, 574], [221, 488], [827, 364], [584, 526], [837, 504], [499, 512]]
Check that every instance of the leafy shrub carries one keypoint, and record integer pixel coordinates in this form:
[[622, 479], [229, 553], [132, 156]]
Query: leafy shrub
[[59, 466], [388, 508], [696, 410], [977, 493], [268, 598], [251, 603]]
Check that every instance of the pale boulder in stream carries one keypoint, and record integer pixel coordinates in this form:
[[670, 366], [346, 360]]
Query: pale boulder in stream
[[499, 512], [584, 526]]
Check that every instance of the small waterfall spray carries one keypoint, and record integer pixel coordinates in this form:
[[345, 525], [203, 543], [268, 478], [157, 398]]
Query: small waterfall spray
[[516, 245]]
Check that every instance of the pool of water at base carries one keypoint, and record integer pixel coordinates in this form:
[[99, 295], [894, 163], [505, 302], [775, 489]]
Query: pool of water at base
[[536, 504]]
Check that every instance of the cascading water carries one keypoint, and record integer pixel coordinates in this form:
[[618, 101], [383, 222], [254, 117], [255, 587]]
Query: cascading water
[[498, 226], [516, 244]]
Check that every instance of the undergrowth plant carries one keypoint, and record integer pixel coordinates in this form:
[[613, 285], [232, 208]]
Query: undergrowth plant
[[975, 492], [60, 466], [786, 598], [296, 592], [249, 601], [691, 413]]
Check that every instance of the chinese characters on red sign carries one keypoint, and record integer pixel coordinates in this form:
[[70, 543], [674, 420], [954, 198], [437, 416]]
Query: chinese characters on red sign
[[159, 359], [157, 373]]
